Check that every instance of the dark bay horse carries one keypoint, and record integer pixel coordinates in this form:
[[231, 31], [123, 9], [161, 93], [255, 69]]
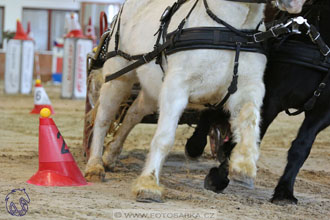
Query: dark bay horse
[[291, 83]]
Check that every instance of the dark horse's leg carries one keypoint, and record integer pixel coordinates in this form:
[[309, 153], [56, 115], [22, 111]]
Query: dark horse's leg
[[314, 122], [196, 143], [217, 179]]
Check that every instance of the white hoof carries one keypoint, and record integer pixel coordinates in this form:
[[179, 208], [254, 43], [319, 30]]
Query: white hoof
[[146, 189], [94, 171]]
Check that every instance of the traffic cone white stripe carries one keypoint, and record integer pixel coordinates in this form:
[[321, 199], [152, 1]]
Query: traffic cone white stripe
[[41, 99]]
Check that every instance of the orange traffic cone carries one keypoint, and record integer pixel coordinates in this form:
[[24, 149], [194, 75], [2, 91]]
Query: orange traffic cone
[[20, 33], [41, 99], [90, 30], [56, 164], [74, 29]]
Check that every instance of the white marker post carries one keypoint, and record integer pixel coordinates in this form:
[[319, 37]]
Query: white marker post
[[76, 48], [19, 63]]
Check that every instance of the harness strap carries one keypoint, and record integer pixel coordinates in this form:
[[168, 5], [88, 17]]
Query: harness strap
[[222, 22], [309, 105], [297, 52], [233, 85], [317, 39], [158, 48], [251, 1], [275, 31], [325, 50], [117, 35], [165, 20], [210, 38], [122, 54], [146, 58]]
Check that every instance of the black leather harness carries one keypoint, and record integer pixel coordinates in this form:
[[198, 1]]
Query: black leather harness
[[315, 56], [227, 37], [211, 38], [296, 52]]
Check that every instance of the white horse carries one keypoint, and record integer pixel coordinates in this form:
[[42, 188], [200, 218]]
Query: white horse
[[195, 77]]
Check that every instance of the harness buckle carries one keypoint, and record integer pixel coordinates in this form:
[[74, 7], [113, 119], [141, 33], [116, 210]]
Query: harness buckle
[[145, 58], [317, 37], [255, 37], [327, 53], [273, 28]]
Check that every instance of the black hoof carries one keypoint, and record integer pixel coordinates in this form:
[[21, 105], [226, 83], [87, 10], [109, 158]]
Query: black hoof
[[195, 146], [216, 181], [284, 198]]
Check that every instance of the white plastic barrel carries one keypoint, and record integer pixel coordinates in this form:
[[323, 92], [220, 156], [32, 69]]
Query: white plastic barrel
[[74, 67]]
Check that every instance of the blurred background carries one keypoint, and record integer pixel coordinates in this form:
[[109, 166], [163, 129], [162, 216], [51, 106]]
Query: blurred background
[[49, 22]]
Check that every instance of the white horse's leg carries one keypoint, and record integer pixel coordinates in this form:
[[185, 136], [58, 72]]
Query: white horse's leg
[[244, 107], [112, 95], [173, 100], [142, 106]]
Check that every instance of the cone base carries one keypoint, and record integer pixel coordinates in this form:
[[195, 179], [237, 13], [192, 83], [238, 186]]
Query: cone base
[[37, 109], [22, 37], [52, 178], [75, 34]]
